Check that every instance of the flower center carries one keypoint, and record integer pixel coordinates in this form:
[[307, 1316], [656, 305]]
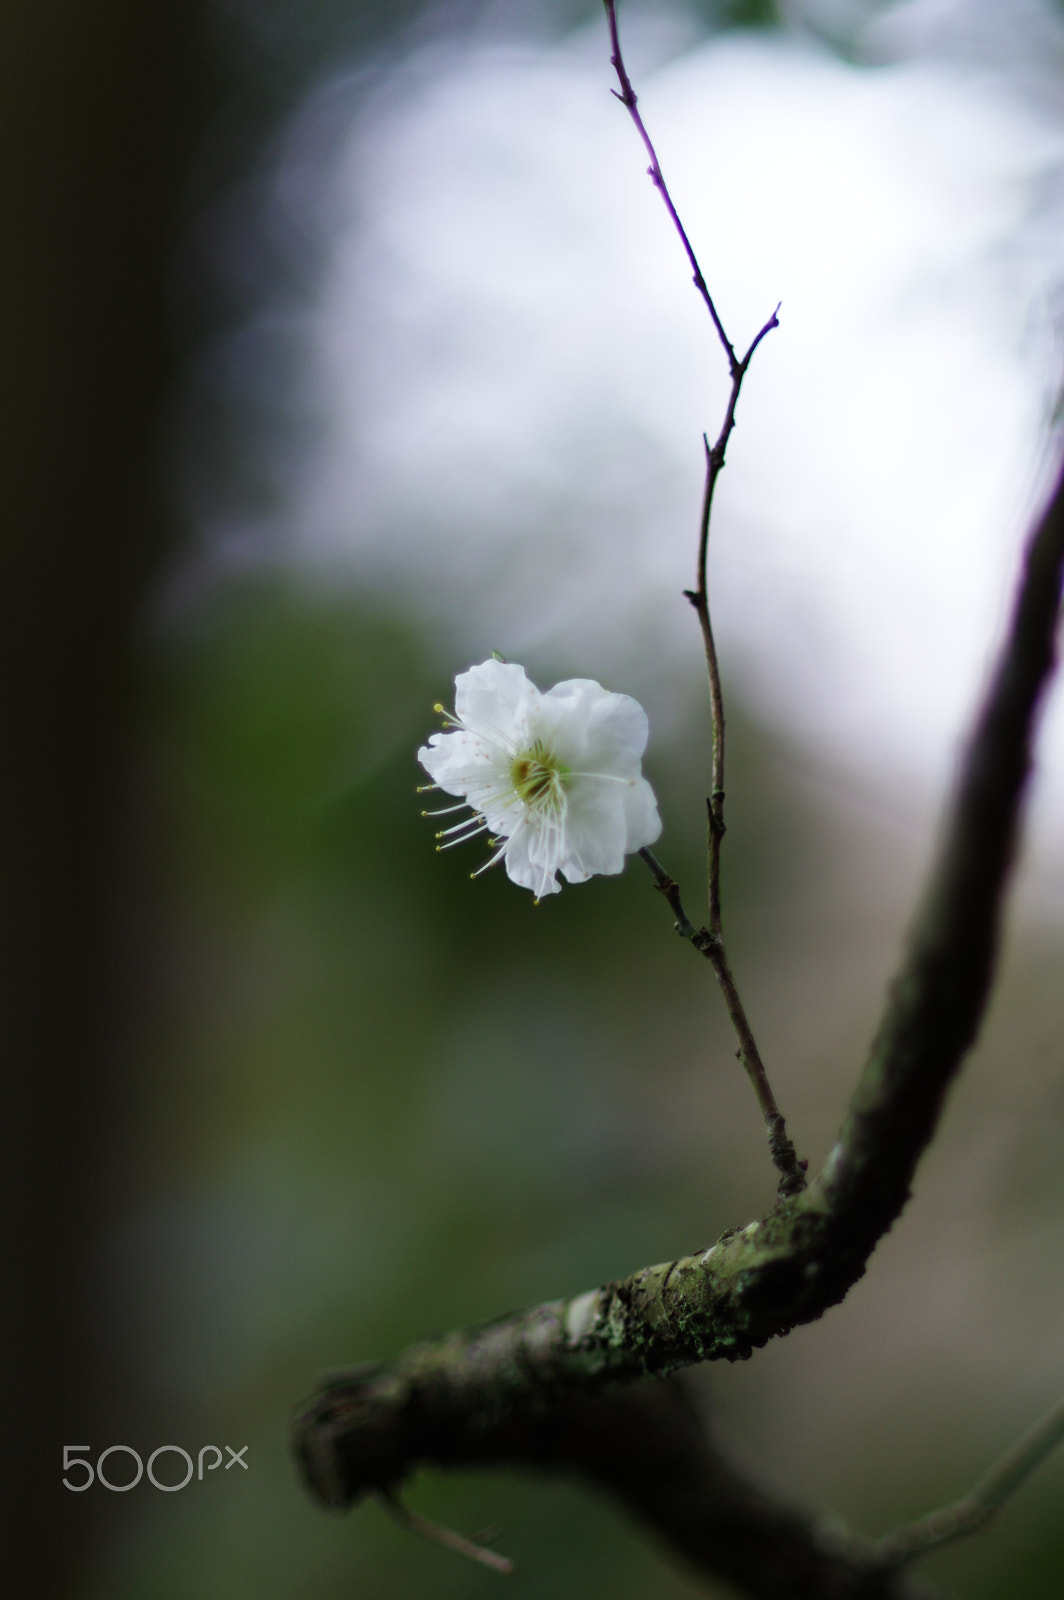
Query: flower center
[[536, 775]]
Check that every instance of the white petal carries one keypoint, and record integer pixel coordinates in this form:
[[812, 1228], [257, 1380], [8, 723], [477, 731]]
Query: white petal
[[526, 865], [616, 735], [454, 760], [494, 700], [641, 815], [596, 828], [561, 719], [593, 730]]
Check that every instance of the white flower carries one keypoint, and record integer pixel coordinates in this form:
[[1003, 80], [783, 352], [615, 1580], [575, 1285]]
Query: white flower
[[554, 778]]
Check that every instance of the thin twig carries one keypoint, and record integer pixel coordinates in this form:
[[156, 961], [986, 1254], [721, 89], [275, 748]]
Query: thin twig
[[709, 944], [445, 1536], [671, 890], [981, 1504], [784, 1155], [629, 100], [699, 598], [711, 941]]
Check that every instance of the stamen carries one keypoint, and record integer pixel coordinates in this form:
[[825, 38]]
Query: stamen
[[448, 716], [493, 860], [602, 777], [483, 828], [458, 828]]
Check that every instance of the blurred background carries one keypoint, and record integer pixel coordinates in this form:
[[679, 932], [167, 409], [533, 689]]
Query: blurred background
[[346, 344]]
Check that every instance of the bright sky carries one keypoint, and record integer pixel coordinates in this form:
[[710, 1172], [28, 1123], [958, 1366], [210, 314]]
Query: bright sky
[[511, 371]]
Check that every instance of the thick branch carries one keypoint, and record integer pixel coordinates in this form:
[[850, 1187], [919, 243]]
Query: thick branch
[[486, 1394], [650, 1449], [936, 1002]]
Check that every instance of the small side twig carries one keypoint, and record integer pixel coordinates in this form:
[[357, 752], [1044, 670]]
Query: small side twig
[[671, 890], [699, 598], [973, 1511], [438, 1534]]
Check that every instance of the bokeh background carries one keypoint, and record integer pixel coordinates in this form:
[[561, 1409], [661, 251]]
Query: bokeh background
[[347, 344]]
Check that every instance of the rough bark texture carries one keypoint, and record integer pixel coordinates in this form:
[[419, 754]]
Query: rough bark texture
[[539, 1388], [649, 1447]]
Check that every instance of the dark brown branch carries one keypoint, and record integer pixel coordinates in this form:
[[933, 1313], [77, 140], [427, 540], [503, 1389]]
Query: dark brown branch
[[649, 1448], [485, 1394], [782, 1151], [671, 890], [699, 598], [628, 98], [711, 941], [936, 1003]]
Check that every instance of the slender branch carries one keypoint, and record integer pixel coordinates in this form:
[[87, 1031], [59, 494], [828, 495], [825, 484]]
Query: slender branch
[[506, 1391], [699, 598], [671, 890], [784, 1156], [979, 1507], [711, 941], [438, 1534], [629, 100]]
